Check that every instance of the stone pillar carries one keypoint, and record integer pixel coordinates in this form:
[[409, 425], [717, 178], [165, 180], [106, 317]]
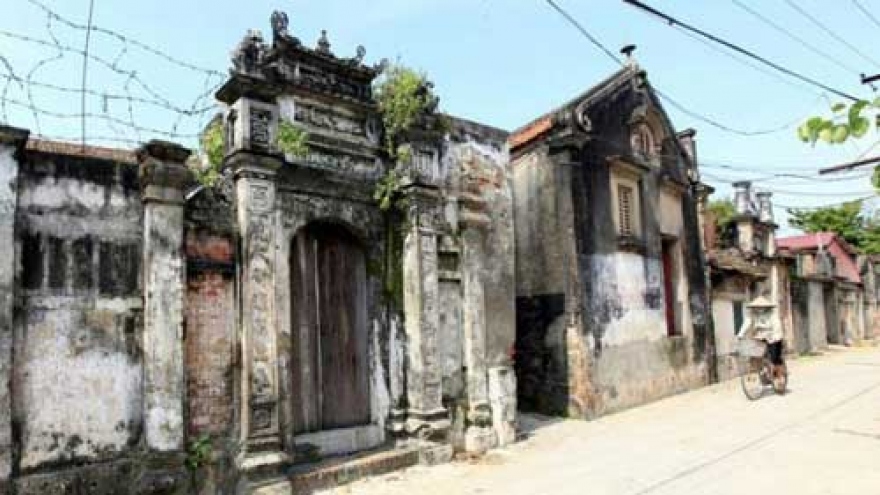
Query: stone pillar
[[163, 176], [745, 216], [11, 142], [255, 209], [742, 198], [479, 435], [425, 414]]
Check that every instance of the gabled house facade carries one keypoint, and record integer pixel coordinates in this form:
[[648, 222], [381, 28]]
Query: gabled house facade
[[612, 306], [827, 290]]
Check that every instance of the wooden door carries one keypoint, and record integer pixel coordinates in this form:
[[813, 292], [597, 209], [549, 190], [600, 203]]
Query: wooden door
[[329, 367]]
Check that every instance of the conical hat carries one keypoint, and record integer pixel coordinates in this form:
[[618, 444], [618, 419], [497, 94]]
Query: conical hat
[[761, 302]]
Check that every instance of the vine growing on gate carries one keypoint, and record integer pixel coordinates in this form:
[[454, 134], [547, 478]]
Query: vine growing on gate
[[289, 139], [406, 101]]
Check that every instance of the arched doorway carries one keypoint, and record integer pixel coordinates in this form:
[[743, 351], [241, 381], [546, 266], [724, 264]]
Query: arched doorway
[[329, 362]]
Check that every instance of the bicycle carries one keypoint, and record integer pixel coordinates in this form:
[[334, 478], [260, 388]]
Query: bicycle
[[756, 369]]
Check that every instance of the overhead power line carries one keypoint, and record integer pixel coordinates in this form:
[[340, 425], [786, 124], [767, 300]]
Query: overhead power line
[[85, 65], [866, 12], [831, 33], [124, 39], [789, 192], [696, 115], [798, 39], [851, 165], [584, 32], [827, 205], [672, 21]]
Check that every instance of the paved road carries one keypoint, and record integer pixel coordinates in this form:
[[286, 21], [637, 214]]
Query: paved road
[[821, 438]]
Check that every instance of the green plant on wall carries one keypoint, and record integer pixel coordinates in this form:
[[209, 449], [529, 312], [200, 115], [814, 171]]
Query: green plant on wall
[[290, 139], [213, 149], [404, 96], [198, 453], [406, 101]]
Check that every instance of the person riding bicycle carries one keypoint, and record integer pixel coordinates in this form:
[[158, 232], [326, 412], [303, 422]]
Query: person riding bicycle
[[762, 323]]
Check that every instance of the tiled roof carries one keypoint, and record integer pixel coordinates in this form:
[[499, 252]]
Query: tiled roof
[[806, 241], [843, 253], [544, 123], [733, 260], [74, 149]]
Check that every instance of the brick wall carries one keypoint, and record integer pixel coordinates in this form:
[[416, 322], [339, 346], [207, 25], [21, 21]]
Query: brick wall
[[209, 346], [210, 333]]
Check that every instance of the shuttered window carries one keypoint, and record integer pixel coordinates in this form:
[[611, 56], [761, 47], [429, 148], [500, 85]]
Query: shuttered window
[[625, 205]]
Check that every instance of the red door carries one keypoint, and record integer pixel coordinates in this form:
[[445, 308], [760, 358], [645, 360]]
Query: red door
[[669, 288]]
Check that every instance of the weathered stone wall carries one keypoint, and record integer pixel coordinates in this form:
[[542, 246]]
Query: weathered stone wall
[[723, 315], [210, 315], [624, 298], [809, 315], [543, 236], [478, 194], [622, 354], [11, 141], [78, 359]]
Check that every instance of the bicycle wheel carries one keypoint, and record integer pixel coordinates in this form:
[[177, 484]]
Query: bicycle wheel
[[750, 377], [780, 381]]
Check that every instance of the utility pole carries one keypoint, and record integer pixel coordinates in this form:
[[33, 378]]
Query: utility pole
[[870, 80]]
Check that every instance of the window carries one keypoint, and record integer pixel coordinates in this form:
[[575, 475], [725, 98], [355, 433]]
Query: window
[[625, 202], [625, 207], [642, 141], [738, 316]]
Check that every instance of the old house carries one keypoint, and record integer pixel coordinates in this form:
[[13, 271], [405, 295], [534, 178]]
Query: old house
[[826, 290], [281, 312], [612, 306], [743, 265], [869, 270]]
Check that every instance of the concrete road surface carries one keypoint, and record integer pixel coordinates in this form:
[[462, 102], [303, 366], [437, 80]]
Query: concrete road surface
[[821, 438]]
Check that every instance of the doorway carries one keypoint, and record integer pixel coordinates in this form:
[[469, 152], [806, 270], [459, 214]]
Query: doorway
[[329, 362], [670, 284]]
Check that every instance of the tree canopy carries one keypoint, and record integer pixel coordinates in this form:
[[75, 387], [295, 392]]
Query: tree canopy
[[848, 220]]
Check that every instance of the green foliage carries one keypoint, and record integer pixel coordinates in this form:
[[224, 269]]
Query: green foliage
[[199, 452], [213, 149], [845, 122], [846, 220], [289, 139], [387, 193], [292, 139], [723, 210], [404, 96]]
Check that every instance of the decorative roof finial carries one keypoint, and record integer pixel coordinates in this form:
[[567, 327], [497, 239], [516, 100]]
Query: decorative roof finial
[[324, 43], [628, 52], [360, 54], [280, 33]]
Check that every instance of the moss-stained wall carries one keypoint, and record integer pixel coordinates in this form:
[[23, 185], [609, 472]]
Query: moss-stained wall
[[77, 382], [624, 354]]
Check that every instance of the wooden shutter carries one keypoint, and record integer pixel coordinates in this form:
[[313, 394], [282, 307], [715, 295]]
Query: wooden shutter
[[625, 209]]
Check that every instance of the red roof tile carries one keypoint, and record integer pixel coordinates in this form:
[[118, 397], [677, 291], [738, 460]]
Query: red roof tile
[[843, 253]]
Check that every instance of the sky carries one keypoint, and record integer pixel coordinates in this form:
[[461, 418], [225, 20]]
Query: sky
[[500, 62]]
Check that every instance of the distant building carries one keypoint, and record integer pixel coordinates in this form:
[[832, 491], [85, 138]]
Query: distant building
[[827, 290], [743, 265]]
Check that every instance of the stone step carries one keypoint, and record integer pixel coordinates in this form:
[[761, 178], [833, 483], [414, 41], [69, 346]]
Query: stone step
[[307, 478]]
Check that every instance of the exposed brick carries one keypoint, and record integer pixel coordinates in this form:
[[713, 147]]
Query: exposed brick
[[209, 337]]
